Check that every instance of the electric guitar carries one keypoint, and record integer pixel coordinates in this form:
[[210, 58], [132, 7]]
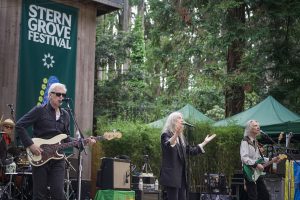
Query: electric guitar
[[253, 174], [52, 146]]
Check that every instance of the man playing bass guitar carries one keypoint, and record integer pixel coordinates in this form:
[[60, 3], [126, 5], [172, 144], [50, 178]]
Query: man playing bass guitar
[[47, 121], [252, 161]]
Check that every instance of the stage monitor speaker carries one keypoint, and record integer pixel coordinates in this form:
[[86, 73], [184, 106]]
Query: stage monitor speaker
[[147, 195], [114, 174]]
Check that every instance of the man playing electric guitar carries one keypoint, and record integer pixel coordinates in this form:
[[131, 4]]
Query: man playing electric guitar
[[48, 121], [250, 155]]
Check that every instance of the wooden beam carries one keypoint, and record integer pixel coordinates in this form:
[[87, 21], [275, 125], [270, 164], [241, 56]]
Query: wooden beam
[[117, 4]]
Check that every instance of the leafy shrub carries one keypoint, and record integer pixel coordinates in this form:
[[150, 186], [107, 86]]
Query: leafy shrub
[[221, 155]]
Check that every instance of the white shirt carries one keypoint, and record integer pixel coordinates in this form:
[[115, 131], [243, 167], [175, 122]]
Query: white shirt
[[249, 153]]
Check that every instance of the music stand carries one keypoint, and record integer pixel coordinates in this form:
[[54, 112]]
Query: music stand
[[189, 169]]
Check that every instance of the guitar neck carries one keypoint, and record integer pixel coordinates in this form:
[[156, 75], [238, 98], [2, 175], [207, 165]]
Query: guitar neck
[[268, 163], [77, 143]]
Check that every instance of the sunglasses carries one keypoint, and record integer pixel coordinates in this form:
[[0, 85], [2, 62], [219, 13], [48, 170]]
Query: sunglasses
[[8, 127], [58, 94]]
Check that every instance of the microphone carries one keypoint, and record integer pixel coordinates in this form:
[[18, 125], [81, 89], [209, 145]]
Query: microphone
[[187, 124], [263, 133], [66, 99]]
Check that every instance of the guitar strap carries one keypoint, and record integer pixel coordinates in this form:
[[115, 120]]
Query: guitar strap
[[262, 156], [247, 139]]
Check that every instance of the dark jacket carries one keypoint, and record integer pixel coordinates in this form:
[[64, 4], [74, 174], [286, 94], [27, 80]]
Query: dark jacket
[[174, 165], [44, 123]]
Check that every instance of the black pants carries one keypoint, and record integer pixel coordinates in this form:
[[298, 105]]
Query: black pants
[[51, 175], [175, 193], [257, 190]]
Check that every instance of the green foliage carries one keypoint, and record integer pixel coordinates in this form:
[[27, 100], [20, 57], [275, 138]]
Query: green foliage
[[137, 140], [179, 53], [216, 113], [124, 96], [138, 48], [221, 155]]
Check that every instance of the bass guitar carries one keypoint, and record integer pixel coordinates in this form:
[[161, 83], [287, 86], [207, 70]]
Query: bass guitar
[[253, 174], [52, 146]]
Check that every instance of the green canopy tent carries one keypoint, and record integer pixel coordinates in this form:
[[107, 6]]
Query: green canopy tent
[[272, 116], [190, 114], [287, 127]]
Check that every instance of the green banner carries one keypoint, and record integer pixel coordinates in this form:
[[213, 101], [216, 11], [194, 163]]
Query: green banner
[[47, 52]]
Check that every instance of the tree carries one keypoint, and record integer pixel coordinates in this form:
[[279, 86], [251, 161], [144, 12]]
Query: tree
[[234, 91]]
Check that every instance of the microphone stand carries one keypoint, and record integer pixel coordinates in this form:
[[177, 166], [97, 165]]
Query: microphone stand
[[288, 138], [263, 134], [189, 130], [11, 106], [80, 148]]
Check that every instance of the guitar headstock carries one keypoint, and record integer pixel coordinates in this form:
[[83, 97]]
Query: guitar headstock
[[282, 156], [280, 137], [112, 135]]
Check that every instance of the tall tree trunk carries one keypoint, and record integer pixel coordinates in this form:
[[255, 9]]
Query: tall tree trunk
[[124, 23], [124, 17], [234, 93], [141, 10]]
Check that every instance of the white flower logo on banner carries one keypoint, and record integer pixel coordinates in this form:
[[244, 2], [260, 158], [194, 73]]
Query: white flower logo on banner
[[48, 60]]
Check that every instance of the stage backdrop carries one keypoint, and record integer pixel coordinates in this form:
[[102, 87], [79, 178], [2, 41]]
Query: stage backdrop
[[47, 52]]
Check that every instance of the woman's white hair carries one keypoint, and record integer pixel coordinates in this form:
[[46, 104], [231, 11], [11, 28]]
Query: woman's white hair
[[248, 127], [170, 124], [55, 85]]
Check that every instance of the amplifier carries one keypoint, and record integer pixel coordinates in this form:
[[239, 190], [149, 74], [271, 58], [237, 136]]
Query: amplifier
[[114, 174]]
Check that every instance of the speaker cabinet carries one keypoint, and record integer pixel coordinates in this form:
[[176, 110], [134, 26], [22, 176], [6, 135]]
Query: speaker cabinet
[[275, 186], [147, 195], [114, 174]]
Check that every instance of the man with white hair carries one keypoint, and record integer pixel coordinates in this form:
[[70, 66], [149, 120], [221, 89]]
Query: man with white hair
[[48, 121], [250, 154]]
